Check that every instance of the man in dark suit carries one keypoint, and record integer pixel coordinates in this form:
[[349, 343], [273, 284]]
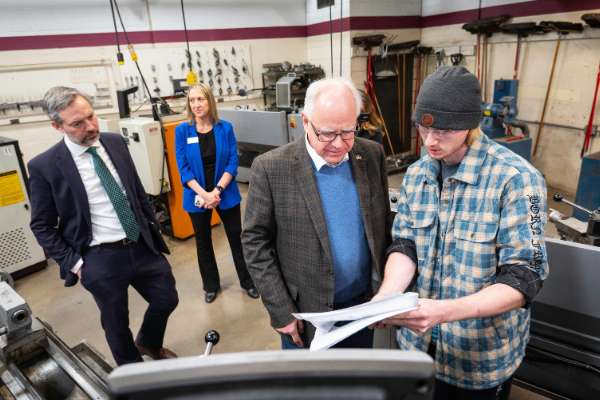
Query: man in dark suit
[[90, 213], [317, 222]]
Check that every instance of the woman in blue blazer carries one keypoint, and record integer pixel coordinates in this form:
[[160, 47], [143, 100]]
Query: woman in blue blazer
[[207, 160]]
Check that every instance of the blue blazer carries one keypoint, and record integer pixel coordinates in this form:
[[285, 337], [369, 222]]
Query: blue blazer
[[60, 212], [189, 163]]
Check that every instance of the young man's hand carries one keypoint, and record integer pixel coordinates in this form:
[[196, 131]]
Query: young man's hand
[[429, 314]]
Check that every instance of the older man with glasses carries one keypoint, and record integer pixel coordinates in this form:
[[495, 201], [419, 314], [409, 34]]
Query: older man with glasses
[[317, 221], [469, 239]]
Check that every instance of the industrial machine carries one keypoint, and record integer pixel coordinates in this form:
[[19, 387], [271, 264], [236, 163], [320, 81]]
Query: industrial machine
[[144, 139], [588, 189], [257, 132], [20, 253], [503, 111], [563, 354], [36, 365], [574, 230], [292, 375]]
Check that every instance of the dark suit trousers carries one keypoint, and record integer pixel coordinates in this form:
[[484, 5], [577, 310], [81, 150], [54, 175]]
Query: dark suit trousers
[[232, 221], [108, 272]]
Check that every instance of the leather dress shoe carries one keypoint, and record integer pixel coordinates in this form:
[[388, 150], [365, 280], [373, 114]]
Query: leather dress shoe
[[253, 292], [158, 354], [210, 296]]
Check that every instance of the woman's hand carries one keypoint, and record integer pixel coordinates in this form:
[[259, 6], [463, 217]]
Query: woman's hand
[[211, 199]]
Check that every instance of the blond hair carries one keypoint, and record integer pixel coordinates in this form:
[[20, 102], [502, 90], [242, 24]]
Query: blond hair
[[473, 134], [212, 104]]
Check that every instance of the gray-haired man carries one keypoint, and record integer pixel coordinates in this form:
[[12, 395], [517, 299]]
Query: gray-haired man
[[317, 220], [89, 211]]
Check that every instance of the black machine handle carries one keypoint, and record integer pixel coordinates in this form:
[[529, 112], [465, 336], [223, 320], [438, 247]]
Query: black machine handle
[[211, 339], [558, 198]]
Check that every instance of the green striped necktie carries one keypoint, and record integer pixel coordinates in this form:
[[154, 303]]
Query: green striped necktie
[[117, 197]]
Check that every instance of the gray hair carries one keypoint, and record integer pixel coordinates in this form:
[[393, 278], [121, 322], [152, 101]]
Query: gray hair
[[58, 98], [315, 90]]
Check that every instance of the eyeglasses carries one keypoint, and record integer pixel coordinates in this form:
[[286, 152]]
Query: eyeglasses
[[436, 133], [330, 136]]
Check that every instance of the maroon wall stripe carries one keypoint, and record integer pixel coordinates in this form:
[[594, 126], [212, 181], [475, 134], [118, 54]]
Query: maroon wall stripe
[[525, 9], [365, 23], [537, 7], [204, 35], [76, 40]]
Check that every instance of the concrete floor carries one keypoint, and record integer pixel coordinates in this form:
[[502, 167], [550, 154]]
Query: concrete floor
[[242, 322]]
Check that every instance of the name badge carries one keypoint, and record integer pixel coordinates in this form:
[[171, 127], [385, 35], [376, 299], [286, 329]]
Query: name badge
[[193, 140]]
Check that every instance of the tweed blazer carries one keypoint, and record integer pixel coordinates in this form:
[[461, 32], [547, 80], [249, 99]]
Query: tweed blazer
[[286, 244]]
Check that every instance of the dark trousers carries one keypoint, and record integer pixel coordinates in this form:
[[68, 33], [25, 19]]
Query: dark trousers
[[362, 339], [446, 391], [232, 221], [107, 273]]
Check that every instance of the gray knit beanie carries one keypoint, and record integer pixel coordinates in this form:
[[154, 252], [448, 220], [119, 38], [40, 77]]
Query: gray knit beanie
[[450, 99]]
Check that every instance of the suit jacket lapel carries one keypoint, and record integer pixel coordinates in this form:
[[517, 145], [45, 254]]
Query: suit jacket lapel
[[305, 179], [359, 169], [67, 166]]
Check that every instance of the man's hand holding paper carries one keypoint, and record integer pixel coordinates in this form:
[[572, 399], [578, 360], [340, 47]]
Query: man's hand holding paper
[[429, 314], [362, 316]]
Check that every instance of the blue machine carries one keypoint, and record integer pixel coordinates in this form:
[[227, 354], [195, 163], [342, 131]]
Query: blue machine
[[588, 189], [504, 111]]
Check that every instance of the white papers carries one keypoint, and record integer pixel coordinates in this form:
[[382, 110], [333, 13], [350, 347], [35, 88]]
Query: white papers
[[362, 316]]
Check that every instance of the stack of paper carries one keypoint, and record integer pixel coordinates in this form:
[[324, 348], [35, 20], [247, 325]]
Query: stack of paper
[[363, 315]]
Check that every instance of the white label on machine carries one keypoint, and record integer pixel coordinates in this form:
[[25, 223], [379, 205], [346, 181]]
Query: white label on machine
[[8, 151], [193, 140]]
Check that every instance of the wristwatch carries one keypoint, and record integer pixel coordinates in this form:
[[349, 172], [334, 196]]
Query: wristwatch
[[220, 188]]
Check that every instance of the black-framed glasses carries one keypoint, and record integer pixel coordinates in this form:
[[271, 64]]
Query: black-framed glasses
[[330, 136]]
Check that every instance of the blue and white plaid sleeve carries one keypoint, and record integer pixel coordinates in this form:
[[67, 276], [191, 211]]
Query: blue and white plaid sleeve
[[521, 246]]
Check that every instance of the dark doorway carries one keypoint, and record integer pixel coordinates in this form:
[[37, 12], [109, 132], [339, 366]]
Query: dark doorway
[[391, 91]]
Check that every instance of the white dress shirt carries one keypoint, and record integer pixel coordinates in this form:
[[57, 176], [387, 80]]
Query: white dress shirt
[[106, 227], [318, 160]]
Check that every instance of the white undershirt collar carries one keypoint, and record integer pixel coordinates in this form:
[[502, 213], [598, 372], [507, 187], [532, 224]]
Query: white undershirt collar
[[318, 160]]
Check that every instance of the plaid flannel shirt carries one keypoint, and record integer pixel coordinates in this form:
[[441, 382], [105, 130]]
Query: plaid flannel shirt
[[492, 212]]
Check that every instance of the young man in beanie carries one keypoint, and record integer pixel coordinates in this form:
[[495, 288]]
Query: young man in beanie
[[469, 239]]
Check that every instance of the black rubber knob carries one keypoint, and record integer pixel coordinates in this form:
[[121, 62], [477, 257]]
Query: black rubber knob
[[558, 197], [213, 337]]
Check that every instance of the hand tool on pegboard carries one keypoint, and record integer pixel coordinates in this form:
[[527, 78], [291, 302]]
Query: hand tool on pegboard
[[404, 47], [456, 58], [562, 28], [485, 27], [593, 20]]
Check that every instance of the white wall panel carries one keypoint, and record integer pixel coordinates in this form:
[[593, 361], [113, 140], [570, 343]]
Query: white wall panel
[[60, 17], [388, 8], [436, 7], [63, 17], [226, 14]]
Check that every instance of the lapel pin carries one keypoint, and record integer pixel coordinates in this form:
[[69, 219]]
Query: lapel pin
[[358, 157]]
